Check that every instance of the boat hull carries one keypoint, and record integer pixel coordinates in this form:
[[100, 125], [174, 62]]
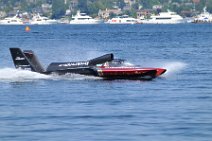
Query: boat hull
[[115, 73], [130, 73], [92, 21]]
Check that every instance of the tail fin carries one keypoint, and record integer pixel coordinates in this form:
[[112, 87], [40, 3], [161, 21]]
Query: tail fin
[[34, 61], [25, 60]]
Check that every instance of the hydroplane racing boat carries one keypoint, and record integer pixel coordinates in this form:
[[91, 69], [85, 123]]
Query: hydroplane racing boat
[[104, 66]]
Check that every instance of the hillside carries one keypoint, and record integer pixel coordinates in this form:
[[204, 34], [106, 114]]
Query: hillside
[[58, 8]]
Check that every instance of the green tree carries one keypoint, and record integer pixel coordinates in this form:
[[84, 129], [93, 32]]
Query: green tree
[[58, 8], [24, 5], [93, 8], [199, 6], [83, 5], [107, 3], [121, 4], [149, 3], [209, 6]]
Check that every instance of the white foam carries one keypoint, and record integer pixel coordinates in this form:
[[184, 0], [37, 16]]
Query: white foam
[[18, 75], [71, 76], [10, 74], [173, 68]]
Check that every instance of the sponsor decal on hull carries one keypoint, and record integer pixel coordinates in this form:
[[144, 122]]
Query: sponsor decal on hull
[[74, 64]]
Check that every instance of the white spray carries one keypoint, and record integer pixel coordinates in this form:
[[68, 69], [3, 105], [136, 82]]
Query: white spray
[[173, 68], [12, 75]]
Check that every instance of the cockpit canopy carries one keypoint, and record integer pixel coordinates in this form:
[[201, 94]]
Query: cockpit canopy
[[116, 63]]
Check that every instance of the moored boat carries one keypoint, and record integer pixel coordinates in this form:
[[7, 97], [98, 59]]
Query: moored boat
[[83, 18], [204, 17], [41, 20], [164, 18], [125, 19], [15, 20]]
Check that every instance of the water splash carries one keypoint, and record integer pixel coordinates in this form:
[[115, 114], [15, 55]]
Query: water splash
[[72, 76], [173, 68], [14, 75]]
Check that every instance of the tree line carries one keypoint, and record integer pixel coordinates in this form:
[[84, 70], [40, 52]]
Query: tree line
[[92, 7]]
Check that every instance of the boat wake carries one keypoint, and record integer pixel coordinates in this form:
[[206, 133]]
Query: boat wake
[[16, 75], [72, 76], [173, 68]]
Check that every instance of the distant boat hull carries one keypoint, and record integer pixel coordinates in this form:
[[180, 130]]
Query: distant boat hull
[[82, 18], [162, 21], [90, 21], [11, 21], [41, 20], [47, 22], [164, 18], [122, 20]]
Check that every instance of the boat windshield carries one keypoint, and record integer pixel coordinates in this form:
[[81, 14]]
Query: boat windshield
[[117, 63]]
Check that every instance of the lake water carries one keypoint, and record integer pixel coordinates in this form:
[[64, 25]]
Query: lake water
[[174, 107]]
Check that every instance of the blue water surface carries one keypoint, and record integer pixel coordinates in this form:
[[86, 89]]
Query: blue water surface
[[174, 107]]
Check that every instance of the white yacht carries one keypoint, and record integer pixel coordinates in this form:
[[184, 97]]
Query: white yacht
[[125, 19], [164, 18], [41, 20], [82, 18], [204, 17], [16, 20]]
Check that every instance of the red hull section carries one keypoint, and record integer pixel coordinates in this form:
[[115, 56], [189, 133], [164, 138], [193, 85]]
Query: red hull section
[[129, 72]]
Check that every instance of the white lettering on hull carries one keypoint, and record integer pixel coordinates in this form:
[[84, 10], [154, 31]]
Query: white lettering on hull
[[73, 64]]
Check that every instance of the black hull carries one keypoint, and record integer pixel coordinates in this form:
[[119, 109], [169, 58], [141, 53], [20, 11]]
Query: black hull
[[81, 71]]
